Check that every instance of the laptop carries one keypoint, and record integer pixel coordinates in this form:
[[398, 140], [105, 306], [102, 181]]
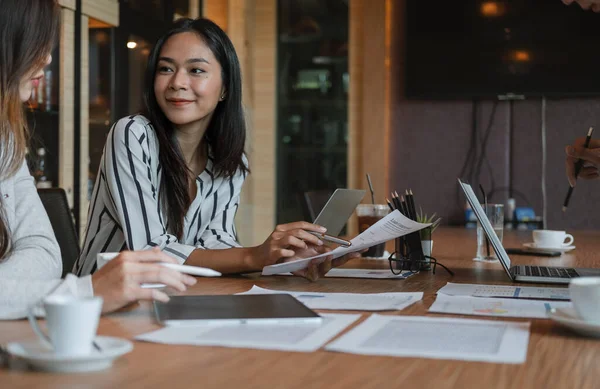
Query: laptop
[[338, 209], [522, 273], [234, 309]]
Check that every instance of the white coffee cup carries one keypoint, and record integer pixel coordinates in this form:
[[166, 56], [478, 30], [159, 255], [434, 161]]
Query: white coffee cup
[[551, 239], [585, 296], [72, 323]]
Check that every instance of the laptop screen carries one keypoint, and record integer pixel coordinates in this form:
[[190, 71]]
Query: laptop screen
[[487, 226]]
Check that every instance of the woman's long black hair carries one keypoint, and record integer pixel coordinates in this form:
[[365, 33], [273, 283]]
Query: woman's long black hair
[[226, 132]]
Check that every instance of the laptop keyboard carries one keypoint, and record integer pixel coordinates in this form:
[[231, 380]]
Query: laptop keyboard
[[554, 272]]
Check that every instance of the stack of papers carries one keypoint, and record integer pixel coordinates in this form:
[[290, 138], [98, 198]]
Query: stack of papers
[[439, 338], [348, 301], [390, 227], [483, 306], [288, 337], [525, 292]]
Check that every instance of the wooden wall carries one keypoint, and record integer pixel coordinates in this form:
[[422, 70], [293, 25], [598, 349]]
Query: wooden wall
[[84, 136], [103, 10], [66, 99], [371, 95], [251, 25], [218, 11], [107, 12]]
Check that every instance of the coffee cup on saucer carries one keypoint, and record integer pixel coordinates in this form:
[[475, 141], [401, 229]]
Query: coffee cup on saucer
[[72, 323], [585, 296], [551, 239]]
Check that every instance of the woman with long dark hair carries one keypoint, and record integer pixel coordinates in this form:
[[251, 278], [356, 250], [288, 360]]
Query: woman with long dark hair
[[171, 177], [30, 262]]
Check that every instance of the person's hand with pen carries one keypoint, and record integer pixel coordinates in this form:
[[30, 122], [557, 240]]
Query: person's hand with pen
[[293, 241], [590, 156]]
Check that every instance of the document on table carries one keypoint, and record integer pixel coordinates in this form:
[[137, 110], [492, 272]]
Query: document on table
[[525, 292], [392, 226], [438, 338], [499, 307], [367, 273], [349, 301], [288, 337]]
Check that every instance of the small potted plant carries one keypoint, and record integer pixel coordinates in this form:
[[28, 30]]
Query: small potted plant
[[425, 233]]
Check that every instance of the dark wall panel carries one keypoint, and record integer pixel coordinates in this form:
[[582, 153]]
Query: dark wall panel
[[430, 141]]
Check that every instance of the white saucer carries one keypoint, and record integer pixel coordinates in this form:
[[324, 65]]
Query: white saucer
[[569, 318], [41, 357], [563, 249]]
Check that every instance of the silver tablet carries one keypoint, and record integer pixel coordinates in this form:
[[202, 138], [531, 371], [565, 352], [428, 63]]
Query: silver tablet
[[338, 209]]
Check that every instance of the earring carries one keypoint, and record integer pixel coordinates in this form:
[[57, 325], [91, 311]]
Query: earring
[[222, 97]]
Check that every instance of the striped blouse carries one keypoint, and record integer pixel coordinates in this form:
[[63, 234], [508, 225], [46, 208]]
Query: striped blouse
[[125, 212]]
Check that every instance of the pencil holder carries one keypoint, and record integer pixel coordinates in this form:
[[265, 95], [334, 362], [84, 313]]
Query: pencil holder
[[408, 256]]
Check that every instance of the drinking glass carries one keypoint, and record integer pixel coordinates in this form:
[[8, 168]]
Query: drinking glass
[[369, 214], [485, 250]]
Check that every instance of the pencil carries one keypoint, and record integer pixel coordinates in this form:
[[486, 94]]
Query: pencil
[[396, 201], [578, 166], [410, 202], [404, 207], [389, 204]]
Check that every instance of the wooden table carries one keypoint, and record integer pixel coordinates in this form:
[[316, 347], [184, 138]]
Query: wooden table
[[556, 358]]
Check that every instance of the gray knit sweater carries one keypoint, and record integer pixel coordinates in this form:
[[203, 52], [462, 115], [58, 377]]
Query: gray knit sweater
[[32, 269]]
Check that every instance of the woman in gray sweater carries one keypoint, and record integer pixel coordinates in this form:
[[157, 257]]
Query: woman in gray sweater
[[30, 262]]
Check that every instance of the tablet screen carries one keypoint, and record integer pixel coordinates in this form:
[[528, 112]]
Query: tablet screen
[[338, 209]]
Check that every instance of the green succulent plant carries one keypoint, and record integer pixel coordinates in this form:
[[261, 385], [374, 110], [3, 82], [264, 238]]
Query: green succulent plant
[[426, 219]]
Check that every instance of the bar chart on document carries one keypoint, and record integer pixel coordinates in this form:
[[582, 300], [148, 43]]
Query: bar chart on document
[[521, 292], [524, 292], [482, 306]]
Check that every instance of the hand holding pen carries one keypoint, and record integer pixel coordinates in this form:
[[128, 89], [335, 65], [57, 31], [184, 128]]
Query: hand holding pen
[[583, 161], [589, 155], [332, 239]]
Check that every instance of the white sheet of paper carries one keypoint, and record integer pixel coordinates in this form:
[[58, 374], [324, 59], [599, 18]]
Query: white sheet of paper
[[288, 337], [524, 292], [499, 307], [438, 338], [392, 226], [348, 301], [367, 273]]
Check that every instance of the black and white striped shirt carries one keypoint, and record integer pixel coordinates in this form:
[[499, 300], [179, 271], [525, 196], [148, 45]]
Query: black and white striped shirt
[[125, 212]]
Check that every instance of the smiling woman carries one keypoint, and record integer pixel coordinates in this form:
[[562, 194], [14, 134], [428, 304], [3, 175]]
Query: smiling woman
[[171, 178], [188, 89]]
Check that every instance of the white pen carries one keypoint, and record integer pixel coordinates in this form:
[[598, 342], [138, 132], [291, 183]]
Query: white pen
[[332, 239]]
